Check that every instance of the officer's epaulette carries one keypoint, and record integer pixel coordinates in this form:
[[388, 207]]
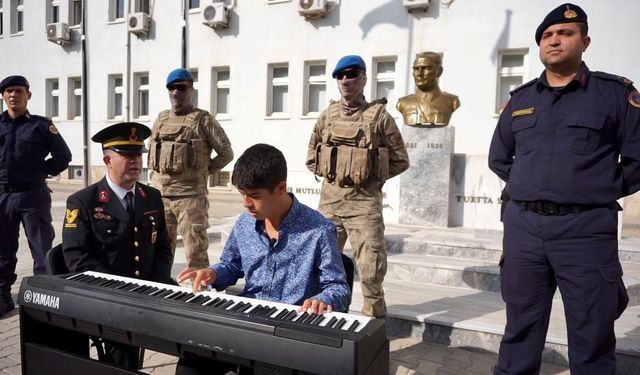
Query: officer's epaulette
[[612, 77], [524, 86]]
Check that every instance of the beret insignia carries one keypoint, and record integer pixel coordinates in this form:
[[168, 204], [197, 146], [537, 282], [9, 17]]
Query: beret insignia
[[570, 13]]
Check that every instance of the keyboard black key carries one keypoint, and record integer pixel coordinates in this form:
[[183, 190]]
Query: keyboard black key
[[317, 320], [281, 314], [331, 322], [340, 323], [302, 317], [238, 306], [290, 315], [225, 305], [246, 307], [309, 319], [353, 326]]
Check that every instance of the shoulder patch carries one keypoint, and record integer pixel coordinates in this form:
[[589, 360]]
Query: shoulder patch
[[53, 129], [524, 86], [71, 216], [634, 98], [612, 77]]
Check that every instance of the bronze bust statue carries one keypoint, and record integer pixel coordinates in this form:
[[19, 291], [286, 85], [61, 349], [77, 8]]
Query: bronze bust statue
[[429, 106]]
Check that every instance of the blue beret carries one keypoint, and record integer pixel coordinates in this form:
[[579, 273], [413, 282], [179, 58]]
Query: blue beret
[[13, 81], [565, 13], [349, 62], [180, 74], [123, 137]]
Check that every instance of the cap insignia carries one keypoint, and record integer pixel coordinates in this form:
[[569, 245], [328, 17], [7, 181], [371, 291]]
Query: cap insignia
[[133, 137], [570, 13]]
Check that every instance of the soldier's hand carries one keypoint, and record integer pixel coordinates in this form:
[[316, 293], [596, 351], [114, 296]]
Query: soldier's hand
[[200, 277], [315, 306]]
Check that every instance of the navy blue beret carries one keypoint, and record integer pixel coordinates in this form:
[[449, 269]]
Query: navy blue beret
[[565, 13], [180, 74], [13, 81], [123, 137], [349, 62]]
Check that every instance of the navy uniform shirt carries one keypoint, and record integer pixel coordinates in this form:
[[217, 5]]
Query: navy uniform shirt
[[25, 142], [574, 145]]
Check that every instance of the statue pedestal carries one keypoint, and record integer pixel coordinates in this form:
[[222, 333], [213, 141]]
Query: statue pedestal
[[425, 186]]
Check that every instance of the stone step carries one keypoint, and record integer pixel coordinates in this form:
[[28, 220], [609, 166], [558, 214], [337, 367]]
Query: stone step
[[461, 317], [475, 274], [468, 243]]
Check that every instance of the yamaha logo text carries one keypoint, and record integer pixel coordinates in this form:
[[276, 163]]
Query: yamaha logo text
[[42, 299]]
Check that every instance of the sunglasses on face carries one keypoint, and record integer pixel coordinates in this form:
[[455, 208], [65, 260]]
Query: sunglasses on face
[[349, 74], [181, 87]]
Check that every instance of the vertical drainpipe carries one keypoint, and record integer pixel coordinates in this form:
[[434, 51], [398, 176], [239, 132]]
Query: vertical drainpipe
[[127, 73], [185, 14], [85, 96]]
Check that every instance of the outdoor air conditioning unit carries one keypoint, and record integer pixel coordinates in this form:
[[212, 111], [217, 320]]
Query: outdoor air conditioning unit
[[58, 33], [416, 4], [138, 23], [215, 15], [312, 8]]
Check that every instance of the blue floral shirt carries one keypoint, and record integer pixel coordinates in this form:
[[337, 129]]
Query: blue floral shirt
[[303, 263]]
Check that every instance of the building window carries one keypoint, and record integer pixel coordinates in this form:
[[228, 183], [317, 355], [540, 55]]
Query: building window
[[17, 19], [53, 98], [315, 88], [384, 77], [75, 98], [142, 6], [115, 96], [511, 73], [194, 98], [53, 11], [278, 94], [194, 4], [141, 87], [221, 90], [116, 10], [76, 12]]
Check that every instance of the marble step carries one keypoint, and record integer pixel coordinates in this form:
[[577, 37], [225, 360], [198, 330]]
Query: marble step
[[468, 243], [475, 274], [462, 317]]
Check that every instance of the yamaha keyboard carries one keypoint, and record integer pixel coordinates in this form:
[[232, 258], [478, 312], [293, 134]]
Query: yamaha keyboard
[[58, 313]]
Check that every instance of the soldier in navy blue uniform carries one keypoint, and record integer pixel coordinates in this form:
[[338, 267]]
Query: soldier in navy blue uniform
[[25, 142], [568, 146], [117, 225]]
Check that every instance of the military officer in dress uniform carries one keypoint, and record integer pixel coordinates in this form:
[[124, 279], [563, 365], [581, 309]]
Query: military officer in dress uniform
[[568, 146], [117, 225], [25, 142], [356, 146]]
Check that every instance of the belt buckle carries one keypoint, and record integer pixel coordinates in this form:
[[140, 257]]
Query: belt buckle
[[549, 208]]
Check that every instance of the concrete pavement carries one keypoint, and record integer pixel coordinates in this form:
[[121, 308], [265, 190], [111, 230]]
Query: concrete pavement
[[409, 355]]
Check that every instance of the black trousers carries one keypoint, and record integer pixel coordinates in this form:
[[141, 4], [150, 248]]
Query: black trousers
[[577, 253]]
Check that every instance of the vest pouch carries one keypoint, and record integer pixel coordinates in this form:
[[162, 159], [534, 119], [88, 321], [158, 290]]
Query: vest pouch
[[153, 155], [343, 165], [345, 133], [359, 165], [326, 161], [382, 167], [198, 153]]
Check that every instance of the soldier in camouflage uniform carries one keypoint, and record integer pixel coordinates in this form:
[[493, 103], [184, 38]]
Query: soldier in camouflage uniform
[[356, 146], [180, 161]]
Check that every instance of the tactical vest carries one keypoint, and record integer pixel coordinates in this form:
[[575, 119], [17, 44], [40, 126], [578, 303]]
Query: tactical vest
[[176, 146], [350, 151]]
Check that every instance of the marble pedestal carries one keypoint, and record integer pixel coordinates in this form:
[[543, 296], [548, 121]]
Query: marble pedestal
[[425, 186]]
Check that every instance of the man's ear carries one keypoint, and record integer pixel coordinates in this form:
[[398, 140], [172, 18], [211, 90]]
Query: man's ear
[[106, 159], [28, 95], [282, 187], [586, 41], [440, 71]]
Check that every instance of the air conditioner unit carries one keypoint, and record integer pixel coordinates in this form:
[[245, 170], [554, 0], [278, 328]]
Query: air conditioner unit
[[58, 33], [416, 4], [138, 23], [312, 8], [215, 15]]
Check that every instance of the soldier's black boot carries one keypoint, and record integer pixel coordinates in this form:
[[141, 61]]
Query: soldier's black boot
[[6, 302]]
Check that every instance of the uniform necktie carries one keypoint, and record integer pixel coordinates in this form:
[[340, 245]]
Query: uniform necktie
[[130, 208]]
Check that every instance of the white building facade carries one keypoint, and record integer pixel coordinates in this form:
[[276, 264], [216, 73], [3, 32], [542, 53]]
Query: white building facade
[[267, 75]]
